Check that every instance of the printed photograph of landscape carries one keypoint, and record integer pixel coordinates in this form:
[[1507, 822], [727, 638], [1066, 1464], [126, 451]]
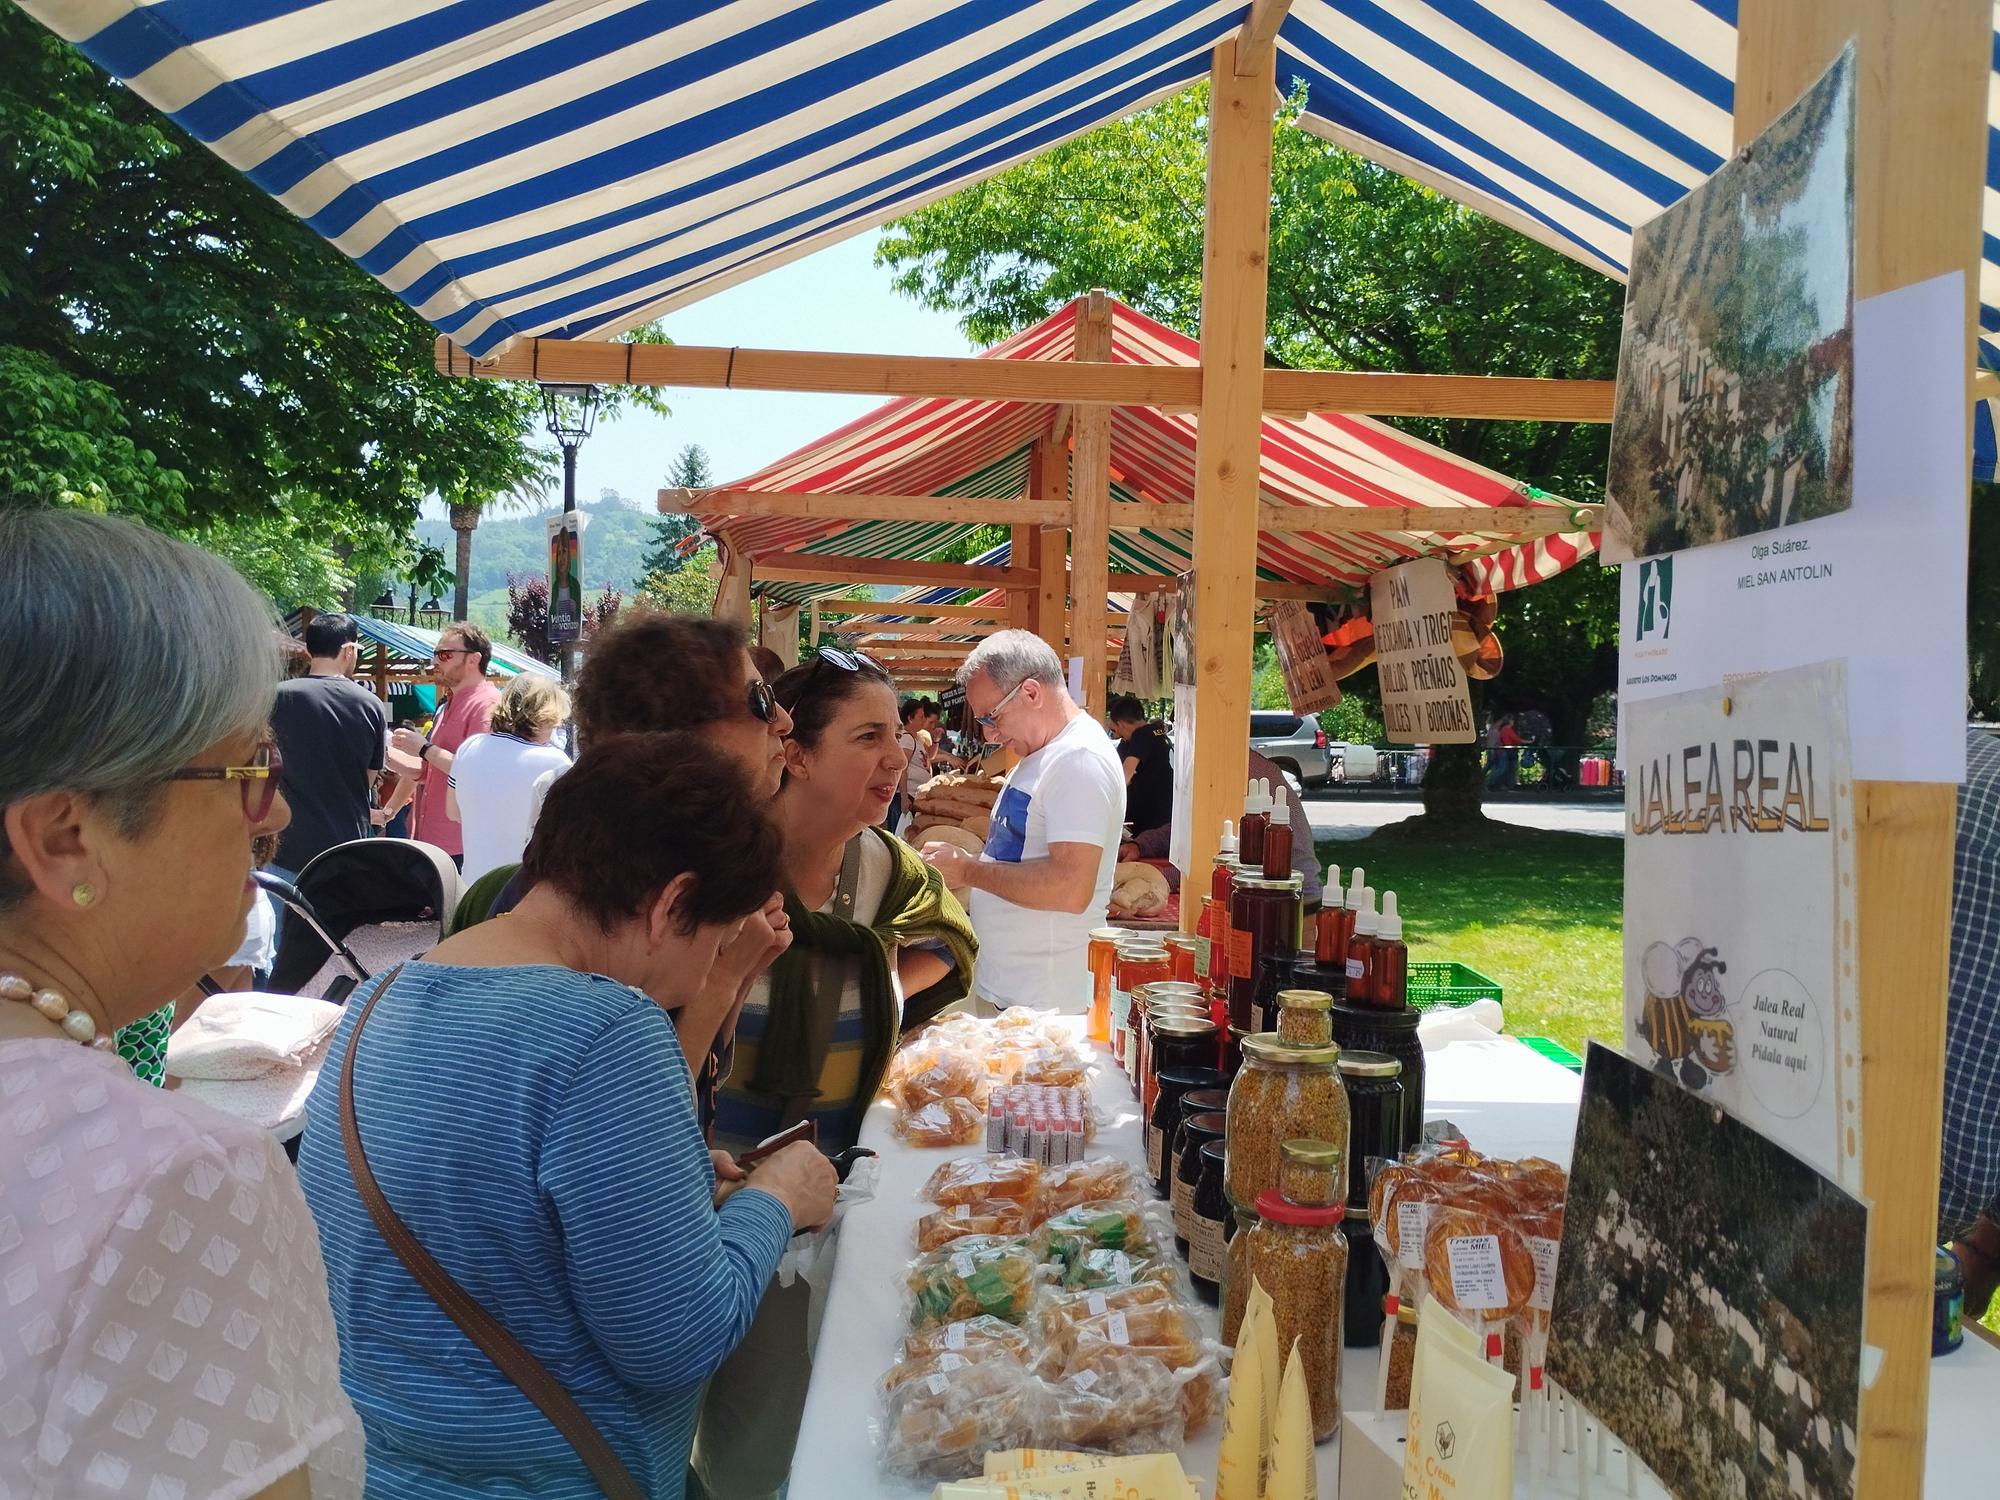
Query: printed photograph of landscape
[[1736, 369]]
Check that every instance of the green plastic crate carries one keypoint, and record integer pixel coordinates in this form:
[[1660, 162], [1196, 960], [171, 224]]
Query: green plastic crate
[[1554, 1051], [1434, 983]]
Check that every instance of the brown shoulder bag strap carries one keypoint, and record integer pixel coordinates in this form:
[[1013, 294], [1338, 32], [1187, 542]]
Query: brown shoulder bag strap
[[500, 1346]]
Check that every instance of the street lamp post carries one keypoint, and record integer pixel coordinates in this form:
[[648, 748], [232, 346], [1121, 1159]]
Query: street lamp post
[[570, 410]]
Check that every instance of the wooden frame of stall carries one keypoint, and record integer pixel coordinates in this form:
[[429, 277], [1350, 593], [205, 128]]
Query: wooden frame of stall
[[1923, 79]]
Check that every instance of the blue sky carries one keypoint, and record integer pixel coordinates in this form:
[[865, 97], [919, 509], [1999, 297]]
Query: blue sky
[[835, 299]]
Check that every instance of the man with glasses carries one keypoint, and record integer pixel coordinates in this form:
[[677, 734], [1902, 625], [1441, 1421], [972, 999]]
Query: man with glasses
[[330, 732], [1044, 879], [458, 667]]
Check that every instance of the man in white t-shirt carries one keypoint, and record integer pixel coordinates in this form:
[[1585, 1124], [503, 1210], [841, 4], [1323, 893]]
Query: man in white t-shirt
[[1044, 879]]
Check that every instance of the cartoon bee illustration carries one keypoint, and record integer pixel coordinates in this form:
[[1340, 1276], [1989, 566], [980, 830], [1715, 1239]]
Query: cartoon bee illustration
[[1683, 1021]]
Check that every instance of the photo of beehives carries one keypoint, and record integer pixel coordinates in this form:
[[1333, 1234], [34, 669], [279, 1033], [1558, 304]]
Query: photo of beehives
[[1736, 367], [1708, 1307]]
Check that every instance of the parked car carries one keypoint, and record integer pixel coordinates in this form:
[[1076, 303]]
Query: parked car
[[1295, 745]]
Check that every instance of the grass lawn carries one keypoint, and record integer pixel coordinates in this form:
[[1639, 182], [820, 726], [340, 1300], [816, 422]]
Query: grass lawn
[[1538, 913]]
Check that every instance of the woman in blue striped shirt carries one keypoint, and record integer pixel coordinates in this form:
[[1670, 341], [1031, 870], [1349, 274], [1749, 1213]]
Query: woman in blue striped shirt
[[527, 1112]]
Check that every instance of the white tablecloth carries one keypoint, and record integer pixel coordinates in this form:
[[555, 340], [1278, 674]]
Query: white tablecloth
[[1508, 1100], [1511, 1102]]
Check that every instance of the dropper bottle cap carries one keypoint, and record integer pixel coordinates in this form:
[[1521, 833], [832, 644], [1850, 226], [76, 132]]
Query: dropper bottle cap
[[1391, 927], [1280, 813], [1355, 888], [1332, 882], [1259, 800], [1228, 844], [1365, 920]]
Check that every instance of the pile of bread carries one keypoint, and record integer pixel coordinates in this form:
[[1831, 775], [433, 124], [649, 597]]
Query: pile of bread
[[956, 808], [1138, 890]]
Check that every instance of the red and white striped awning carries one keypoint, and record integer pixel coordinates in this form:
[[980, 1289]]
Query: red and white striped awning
[[934, 446]]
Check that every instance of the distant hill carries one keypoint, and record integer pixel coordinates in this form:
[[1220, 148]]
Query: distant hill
[[615, 539]]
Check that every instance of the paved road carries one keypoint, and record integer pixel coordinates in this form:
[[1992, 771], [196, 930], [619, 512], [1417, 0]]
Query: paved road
[[1348, 818]]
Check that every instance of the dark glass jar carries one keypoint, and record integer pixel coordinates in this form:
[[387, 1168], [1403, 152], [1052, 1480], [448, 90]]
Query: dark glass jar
[[1367, 1284], [1274, 977], [1365, 1029], [1263, 919], [1196, 1131], [1177, 1038], [1163, 1125], [1309, 974], [1209, 1227], [1374, 1082], [1205, 1101]]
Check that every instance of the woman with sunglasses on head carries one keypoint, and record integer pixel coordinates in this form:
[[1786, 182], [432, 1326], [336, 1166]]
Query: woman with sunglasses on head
[[167, 1329], [878, 946]]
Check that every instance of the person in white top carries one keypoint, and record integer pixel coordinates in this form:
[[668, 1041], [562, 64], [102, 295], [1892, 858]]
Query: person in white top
[[498, 779], [1044, 878], [165, 1329]]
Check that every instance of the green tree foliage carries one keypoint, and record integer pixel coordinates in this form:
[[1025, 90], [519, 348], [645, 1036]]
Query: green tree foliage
[[689, 590], [615, 543], [1368, 272], [690, 471], [176, 346]]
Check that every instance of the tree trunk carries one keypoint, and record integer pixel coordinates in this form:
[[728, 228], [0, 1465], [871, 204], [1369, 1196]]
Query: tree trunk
[[1454, 785], [464, 521]]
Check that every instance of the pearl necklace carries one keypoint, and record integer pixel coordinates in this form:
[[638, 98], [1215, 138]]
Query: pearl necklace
[[76, 1024]]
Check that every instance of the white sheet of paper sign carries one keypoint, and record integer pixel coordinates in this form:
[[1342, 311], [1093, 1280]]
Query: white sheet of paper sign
[[1478, 1279], [1881, 585]]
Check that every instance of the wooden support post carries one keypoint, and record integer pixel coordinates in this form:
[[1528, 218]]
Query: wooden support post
[[1236, 240], [382, 672], [1051, 480], [732, 593], [1090, 510], [1920, 153]]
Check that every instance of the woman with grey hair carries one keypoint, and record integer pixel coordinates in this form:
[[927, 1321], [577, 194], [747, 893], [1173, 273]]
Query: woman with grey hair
[[167, 1328]]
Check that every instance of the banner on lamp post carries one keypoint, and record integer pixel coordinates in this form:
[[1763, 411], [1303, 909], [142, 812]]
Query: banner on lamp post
[[565, 577]]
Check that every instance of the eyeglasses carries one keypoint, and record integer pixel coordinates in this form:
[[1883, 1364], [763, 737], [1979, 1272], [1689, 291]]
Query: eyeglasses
[[830, 656], [991, 718], [259, 779], [443, 651], [763, 706]]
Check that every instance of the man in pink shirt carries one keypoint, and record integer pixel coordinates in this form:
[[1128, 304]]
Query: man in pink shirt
[[458, 667]]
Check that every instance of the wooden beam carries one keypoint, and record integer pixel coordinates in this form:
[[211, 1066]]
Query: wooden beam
[[1340, 520], [1235, 262], [1090, 508], [1985, 386], [1059, 428], [1024, 605], [1168, 387], [1267, 588], [847, 604], [1257, 37], [1493, 397], [812, 567], [732, 595], [1922, 79], [919, 650], [966, 510], [1050, 481], [862, 630]]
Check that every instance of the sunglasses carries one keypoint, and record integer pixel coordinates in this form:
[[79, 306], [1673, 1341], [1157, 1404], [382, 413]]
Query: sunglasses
[[763, 704], [443, 651], [829, 656], [991, 718], [257, 781]]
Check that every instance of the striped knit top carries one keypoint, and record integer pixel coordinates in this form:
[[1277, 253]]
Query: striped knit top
[[535, 1128]]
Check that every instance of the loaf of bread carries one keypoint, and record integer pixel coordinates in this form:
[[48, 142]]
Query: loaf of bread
[[1138, 890]]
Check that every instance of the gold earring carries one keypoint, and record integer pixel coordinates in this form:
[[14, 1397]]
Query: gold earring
[[83, 893]]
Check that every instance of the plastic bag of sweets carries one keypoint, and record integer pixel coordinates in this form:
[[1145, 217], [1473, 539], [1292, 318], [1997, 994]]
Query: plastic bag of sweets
[[1107, 1179], [943, 1122], [971, 1179], [975, 1338], [943, 1413], [985, 1216], [1125, 1405], [991, 1275], [1164, 1330]]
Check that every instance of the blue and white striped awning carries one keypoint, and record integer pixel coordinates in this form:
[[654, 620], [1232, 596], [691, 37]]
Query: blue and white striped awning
[[576, 168]]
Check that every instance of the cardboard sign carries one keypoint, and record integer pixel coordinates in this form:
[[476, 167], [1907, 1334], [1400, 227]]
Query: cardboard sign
[[1424, 696], [565, 576], [1302, 658]]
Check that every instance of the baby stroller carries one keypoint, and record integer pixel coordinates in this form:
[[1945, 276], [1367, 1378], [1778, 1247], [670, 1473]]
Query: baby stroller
[[359, 908]]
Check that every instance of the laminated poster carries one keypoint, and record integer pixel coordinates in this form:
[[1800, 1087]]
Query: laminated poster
[[1709, 1303], [1734, 413], [1739, 969], [1425, 700]]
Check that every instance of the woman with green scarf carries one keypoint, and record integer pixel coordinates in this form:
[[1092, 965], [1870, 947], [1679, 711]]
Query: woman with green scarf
[[878, 946]]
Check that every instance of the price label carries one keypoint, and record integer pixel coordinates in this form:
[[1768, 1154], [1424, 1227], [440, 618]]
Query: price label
[[1121, 1270], [1206, 1249], [951, 1362], [938, 1384], [1085, 1380], [1240, 965], [1412, 1219], [1115, 1329], [1478, 1279], [962, 1211], [962, 1265], [954, 1336], [1096, 1304], [1544, 1252], [1155, 1141]]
